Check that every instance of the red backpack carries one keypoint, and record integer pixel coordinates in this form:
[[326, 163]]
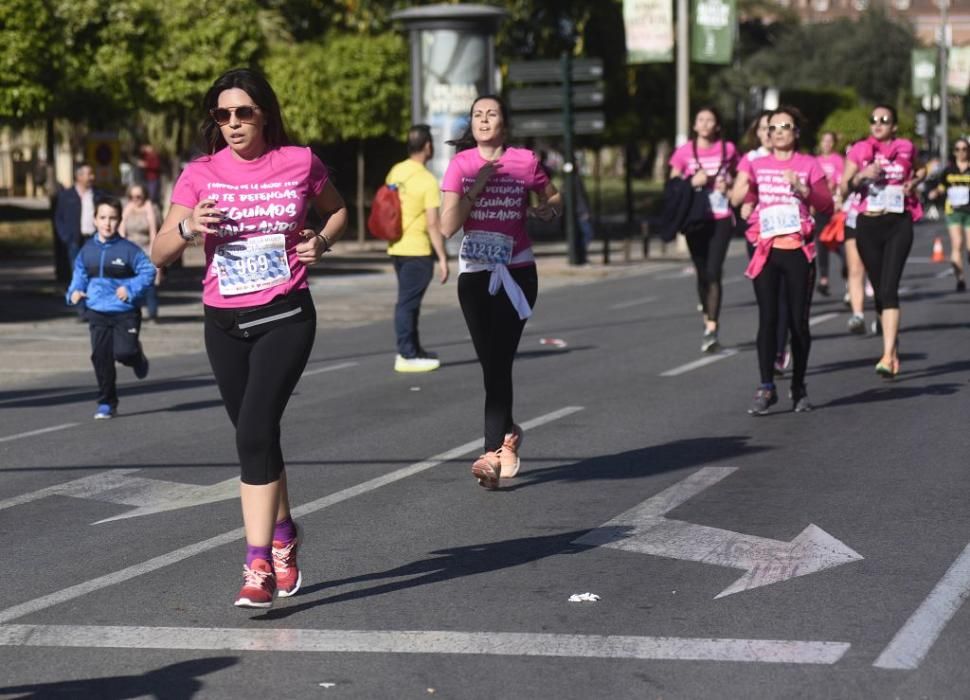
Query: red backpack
[[384, 221]]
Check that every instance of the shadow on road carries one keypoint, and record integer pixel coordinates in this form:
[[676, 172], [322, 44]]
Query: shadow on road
[[179, 680], [446, 564]]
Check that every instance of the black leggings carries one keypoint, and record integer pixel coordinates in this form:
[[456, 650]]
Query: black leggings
[[884, 243], [708, 247], [792, 270], [496, 329], [256, 376]]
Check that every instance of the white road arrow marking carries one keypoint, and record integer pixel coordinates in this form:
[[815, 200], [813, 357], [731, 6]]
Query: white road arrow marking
[[150, 496], [644, 529], [153, 496]]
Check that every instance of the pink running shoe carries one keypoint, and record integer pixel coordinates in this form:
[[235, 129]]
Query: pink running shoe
[[487, 469], [259, 585], [508, 454], [288, 576]]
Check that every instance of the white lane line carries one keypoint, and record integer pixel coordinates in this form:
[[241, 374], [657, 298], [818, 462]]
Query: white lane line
[[822, 318], [425, 642], [945, 273], [39, 431], [703, 362], [633, 302], [179, 555], [331, 368], [913, 641]]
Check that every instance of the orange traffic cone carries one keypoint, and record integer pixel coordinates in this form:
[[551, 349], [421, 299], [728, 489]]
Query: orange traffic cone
[[938, 255]]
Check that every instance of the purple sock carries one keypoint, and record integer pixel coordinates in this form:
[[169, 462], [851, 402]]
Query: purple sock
[[264, 553], [285, 530]]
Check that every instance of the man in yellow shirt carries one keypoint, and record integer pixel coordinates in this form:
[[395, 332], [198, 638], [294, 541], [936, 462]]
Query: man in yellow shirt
[[414, 254]]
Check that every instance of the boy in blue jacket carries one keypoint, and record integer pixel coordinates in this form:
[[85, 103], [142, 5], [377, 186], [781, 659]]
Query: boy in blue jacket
[[111, 274]]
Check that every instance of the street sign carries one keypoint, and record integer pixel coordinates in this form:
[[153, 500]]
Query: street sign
[[551, 97], [551, 123], [584, 70]]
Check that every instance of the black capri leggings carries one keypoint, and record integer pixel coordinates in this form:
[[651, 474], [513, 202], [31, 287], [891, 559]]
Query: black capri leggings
[[884, 243], [496, 329], [256, 376], [708, 247], [792, 270]]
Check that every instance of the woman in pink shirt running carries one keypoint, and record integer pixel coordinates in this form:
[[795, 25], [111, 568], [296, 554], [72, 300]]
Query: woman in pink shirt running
[[709, 163], [486, 192], [883, 170], [832, 165], [787, 185], [247, 201]]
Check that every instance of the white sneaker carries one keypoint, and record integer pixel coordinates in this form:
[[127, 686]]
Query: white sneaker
[[416, 364]]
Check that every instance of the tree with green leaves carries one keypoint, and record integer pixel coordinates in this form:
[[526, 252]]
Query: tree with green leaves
[[350, 87]]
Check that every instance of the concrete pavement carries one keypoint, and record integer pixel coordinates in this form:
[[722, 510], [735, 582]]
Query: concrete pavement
[[354, 285]]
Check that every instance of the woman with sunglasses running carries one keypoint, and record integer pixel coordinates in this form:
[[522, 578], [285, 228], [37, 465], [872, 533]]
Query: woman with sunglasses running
[[883, 170], [709, 163], [247, 200], [486, 190], [955, 185], [787, 185]]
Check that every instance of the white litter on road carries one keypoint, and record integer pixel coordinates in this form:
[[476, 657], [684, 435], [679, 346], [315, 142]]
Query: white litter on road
[[583, 598]]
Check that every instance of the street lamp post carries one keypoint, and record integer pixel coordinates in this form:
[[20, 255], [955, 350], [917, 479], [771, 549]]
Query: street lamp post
[[944, 108]]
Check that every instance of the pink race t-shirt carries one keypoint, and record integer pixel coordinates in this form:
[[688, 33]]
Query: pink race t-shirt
[[718, 159], [501, 206], [896, 158], [253, 258], [767, 176], [832, 165]]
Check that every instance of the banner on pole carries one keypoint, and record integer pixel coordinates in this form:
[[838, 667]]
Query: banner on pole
[[924, 72], [649, 26], [958, 70], [712, 31]]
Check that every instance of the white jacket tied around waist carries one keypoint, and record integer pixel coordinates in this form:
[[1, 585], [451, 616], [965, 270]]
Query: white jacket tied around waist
[[501, 277]]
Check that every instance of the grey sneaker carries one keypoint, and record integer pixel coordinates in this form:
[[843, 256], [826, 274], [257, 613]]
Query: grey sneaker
[[799, 399], [763, 400], [857, 324], [709, 342]]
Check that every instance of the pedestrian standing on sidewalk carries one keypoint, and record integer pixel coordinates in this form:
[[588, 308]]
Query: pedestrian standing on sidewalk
[[74, 212], [884, 171], [417, 250], [247, 200], [486, 190], [112, 275], [709, 163], [787, 185], [139, 224]]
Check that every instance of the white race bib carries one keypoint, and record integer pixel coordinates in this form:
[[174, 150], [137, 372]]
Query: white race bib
[[486, 248], [959, 195], [779, 220], [251, 265], [719, 203], [887, 198]]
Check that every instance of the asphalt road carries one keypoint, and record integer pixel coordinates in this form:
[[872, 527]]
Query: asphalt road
[[818, 555]]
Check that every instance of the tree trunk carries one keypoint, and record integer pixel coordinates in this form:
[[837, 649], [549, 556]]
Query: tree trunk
[[361, 230]]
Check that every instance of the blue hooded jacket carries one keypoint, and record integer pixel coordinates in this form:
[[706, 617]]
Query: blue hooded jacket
[[100, 268]]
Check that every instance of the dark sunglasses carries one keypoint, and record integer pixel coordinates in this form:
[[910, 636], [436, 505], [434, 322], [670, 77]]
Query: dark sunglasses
[[881, 120], [787, 126], [222, 115], [959, 148]]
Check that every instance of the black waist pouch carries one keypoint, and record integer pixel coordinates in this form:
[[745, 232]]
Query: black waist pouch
[[254, 321]]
